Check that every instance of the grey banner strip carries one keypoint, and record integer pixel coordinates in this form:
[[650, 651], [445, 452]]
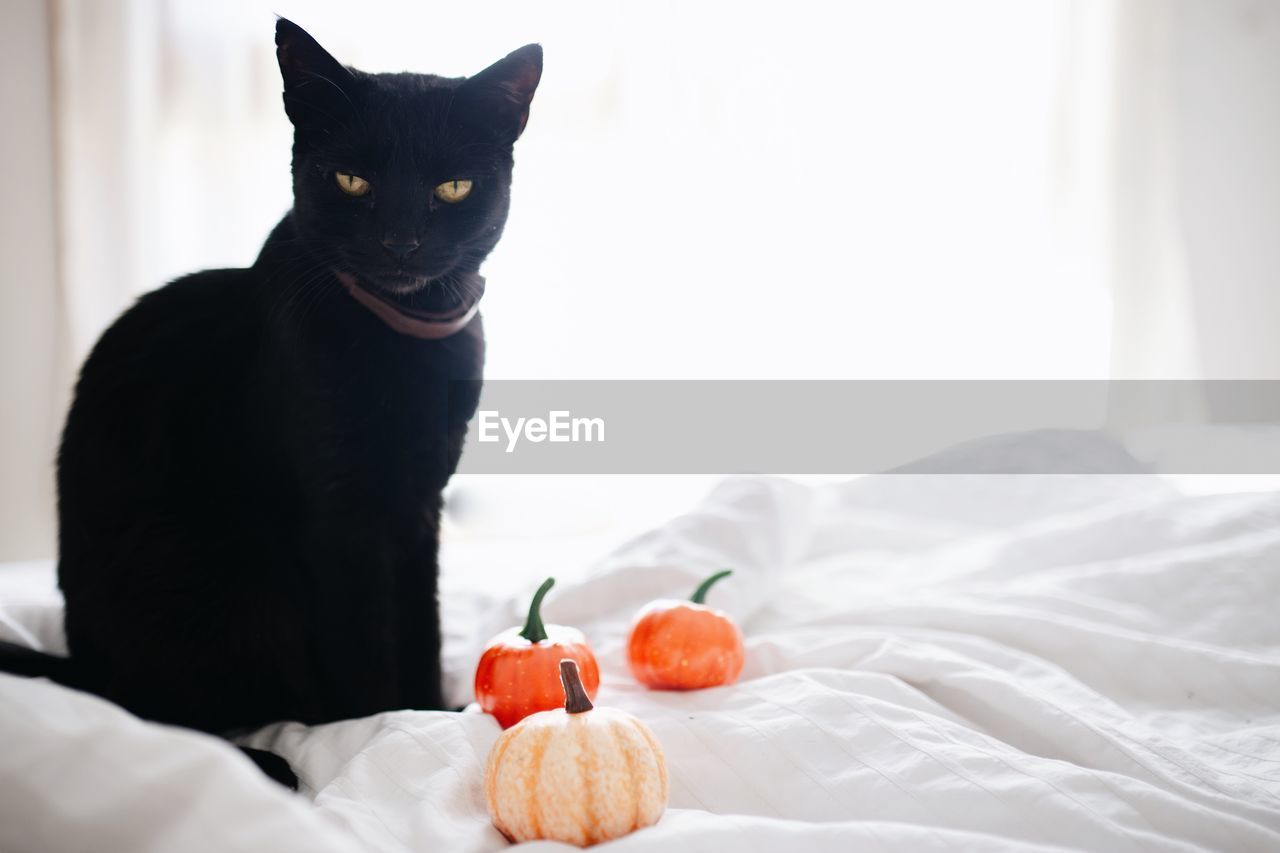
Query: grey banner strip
[[860, 427]]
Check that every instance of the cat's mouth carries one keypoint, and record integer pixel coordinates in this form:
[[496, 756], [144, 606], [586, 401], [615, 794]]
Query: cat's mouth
[[400, 283], [423, 312]]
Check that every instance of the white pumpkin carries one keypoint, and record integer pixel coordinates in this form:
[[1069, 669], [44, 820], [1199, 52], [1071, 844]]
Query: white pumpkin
[[578, 775]]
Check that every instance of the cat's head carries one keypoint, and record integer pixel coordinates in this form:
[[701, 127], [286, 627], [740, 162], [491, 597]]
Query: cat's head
[[401, 180]]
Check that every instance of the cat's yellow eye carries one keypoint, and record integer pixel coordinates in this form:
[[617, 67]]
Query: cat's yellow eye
[[351, 184], [453, 191]]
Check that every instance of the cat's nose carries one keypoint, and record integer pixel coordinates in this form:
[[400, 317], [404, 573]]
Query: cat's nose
[[399, 248]]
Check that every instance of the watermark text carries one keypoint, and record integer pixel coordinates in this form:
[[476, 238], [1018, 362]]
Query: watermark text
[[559, 426]]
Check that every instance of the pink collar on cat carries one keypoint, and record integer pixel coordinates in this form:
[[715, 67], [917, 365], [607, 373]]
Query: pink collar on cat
[[428, 325]]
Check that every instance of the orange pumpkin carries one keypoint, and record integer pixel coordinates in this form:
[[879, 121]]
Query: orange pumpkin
[[519, 671], [685, 645], [578, 775]]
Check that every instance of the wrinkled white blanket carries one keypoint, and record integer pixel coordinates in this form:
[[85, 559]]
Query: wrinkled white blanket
[[933, 662]]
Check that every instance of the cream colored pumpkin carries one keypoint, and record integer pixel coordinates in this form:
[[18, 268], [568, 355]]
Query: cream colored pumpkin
[[578, 775]]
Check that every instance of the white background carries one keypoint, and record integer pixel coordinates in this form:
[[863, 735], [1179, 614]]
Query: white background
[[923, 189]]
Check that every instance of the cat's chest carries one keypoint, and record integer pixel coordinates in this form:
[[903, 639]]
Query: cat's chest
[[387, 414]]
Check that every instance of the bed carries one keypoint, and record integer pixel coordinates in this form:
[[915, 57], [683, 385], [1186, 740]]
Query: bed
[[934, 662]]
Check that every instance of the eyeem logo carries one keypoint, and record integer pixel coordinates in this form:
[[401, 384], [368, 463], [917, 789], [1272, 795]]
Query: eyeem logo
[[558, 426]]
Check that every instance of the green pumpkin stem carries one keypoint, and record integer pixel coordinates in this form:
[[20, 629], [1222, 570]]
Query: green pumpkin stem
[[576, 700], [534, 631], [700, 594]]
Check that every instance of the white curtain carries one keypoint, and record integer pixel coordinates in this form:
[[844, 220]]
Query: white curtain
[[33, 359]]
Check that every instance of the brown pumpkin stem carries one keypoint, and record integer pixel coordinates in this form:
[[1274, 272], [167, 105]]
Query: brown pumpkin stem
[[534, 631], [700, 594], [576, 700]]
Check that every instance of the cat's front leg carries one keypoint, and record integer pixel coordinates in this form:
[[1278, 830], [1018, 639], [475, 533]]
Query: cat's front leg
[[350, 592], [418, 637]]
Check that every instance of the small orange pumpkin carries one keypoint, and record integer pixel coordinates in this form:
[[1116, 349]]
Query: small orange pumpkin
[[519, 671], [685, 645], [577, 774]]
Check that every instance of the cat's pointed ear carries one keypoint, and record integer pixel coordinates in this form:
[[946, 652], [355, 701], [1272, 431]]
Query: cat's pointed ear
[[505, 89], [315, 84]]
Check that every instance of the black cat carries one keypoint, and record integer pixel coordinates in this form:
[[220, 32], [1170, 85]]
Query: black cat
[[249, 479]]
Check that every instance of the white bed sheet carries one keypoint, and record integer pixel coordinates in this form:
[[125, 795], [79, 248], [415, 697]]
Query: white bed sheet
[[933, 662]]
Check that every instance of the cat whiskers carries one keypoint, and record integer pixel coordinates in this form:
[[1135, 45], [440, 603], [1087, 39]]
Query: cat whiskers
[[458, 287], [295, 299]]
